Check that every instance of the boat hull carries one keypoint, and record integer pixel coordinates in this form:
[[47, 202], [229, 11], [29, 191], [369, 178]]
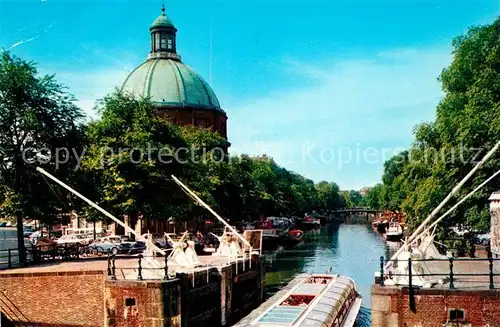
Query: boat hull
[[393, 236], [307, 225], [293, 238], [270, 242], [382, 227]]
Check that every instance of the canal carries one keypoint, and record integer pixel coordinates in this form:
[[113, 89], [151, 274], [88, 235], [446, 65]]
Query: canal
[[350, 250]]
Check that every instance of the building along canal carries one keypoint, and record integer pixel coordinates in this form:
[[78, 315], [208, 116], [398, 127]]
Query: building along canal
[[350, 250]]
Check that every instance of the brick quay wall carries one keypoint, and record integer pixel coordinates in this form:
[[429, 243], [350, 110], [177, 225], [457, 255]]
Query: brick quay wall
[[390, 307], [55, 299], [211, 297]]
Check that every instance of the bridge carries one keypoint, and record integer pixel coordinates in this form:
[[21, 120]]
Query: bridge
[[357, 210]]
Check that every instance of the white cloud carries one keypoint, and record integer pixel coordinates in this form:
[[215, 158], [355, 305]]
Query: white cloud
[[29, 39], [90, 86], [365, 102]]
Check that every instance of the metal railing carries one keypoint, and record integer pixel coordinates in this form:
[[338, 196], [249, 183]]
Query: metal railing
[[111, 269], [451, 274], [245, 262], [7, 257], [40, 253]]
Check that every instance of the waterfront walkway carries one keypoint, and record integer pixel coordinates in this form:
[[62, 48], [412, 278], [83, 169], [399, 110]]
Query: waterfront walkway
[[126, 267], [468, 274], [480, 270]]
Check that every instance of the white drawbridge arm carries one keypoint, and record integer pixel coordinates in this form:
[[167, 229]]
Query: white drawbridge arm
[[454, 191]]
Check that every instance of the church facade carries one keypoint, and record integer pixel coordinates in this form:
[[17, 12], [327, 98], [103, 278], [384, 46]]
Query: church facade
[[177, 91]]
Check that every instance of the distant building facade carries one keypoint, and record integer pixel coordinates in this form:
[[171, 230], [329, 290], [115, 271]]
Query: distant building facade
[[364, 190]]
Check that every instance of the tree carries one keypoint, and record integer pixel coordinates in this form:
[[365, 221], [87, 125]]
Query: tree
[[356, 198], [445, 150], [329, 196], [374, 197], [36, 114], [133, 152]]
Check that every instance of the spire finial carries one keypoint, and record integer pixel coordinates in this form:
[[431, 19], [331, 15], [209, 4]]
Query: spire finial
[[163, 7]]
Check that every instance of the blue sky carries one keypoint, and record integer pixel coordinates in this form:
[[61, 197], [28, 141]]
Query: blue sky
[[330, 89]]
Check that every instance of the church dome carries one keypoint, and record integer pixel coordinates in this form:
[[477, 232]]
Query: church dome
[[170, 83], [162, 21], [164, 79]]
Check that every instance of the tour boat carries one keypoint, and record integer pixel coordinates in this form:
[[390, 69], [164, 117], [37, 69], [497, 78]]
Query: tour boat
[[394, 232], [312, 300]]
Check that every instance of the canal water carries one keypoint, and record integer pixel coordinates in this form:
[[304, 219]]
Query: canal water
[[350, 250]]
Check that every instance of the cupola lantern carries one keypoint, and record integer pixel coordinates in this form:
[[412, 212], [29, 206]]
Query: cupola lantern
[[163, 41], [175, 90]]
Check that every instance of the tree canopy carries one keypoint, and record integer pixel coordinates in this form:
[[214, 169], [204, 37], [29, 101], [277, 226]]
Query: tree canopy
[[125, 159], [133, 152], [37, 117], [466, 127]]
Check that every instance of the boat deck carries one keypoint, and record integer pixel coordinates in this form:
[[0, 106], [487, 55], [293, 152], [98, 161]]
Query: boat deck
[[304, 303]]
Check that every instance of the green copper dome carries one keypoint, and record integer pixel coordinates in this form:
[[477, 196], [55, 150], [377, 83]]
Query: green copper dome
[[162, 21], [170, 83]]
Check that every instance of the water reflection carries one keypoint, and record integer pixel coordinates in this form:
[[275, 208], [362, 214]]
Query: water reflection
[[351, 250]]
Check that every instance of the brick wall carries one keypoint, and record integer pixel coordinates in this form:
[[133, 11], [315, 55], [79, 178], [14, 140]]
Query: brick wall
[[390, 307], [146, 303], [57, 299], [184, 116]]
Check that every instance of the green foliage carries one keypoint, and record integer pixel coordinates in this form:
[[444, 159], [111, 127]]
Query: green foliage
[[329, 196], [375, 198], [36, 114], [444, 151], [133, 153]]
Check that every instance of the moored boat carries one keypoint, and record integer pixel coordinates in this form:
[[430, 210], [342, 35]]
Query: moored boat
[[293, 237], [309, 300], [394, 231], [308, 223], [381, 226], [270, 236]]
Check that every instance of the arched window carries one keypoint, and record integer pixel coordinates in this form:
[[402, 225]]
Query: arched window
[[163, 41], [157, 41]]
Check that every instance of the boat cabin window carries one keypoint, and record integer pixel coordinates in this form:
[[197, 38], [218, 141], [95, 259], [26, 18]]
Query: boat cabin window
[[298, 300], [319, 280]]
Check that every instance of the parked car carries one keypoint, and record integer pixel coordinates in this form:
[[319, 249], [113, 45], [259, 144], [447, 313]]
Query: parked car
[[28, 230], [35, 236], [137, 247], [110, 244], [74, 239]]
